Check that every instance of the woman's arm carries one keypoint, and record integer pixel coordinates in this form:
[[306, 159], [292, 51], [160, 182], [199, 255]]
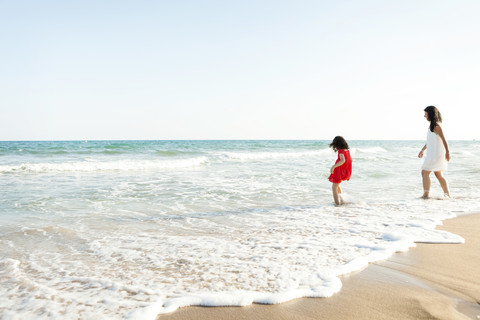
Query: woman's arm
[[339, 163], [422, 151], [438, 130]]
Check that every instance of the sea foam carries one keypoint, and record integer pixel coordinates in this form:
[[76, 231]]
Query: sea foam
[[118, 165]]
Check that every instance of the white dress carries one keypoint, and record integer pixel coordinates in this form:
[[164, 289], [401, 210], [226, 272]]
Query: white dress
[[435, 159]]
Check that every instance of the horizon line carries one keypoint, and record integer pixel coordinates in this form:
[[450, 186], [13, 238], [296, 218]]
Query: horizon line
[[97, 140]]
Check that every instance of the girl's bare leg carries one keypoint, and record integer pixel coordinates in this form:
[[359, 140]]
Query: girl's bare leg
[[443, 182], [426, 183], [335, 187], [340, 198]]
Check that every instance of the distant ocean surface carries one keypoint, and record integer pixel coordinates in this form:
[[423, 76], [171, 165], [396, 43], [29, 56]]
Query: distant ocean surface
[[130, 229]]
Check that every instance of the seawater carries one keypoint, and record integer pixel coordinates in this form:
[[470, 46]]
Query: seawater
[[131, 229]]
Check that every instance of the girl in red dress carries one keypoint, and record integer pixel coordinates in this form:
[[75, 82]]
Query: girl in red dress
[[342, 169]]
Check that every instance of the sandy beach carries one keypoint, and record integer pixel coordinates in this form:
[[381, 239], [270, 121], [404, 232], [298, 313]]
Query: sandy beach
[[430, 281]]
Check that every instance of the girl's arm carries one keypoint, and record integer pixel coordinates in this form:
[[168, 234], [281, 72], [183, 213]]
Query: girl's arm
[[422, 151], [339, 163], [438, 130]]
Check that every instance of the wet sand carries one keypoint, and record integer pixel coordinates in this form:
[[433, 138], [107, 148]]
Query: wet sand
[[430, 281]]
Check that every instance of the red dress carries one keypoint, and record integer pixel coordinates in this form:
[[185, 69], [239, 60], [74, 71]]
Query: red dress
[[344, 172]]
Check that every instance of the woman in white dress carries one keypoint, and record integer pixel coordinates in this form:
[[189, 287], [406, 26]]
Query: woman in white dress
[[438, 153]]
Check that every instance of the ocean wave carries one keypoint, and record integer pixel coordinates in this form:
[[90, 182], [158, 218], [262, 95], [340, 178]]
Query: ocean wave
[[92, 166], [369, 150], [247, 156], [119, 145], [465, 153], [175, 153]]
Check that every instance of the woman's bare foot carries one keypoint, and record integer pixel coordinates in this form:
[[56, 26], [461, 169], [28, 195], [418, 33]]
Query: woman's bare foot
[[425, 195]]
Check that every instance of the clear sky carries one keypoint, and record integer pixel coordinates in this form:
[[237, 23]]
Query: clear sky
[[237, 69]]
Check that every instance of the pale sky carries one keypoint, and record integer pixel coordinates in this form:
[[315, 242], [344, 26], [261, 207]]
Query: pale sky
[[76, 70]]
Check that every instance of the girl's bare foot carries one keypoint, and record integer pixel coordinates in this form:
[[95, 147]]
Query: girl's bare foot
[[425, 195]]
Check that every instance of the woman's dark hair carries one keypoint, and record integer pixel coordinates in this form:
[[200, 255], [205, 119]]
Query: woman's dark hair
[[339, 143], [434, 116]]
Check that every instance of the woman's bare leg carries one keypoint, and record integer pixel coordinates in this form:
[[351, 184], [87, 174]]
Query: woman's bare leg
[[426, 183], [443, 182]]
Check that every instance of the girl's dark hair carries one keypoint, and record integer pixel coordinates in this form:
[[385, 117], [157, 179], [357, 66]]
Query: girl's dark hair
[[434, 116], [339, 143]]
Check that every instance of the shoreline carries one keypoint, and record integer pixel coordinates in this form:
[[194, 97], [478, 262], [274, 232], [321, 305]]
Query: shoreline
[[429, 281]]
